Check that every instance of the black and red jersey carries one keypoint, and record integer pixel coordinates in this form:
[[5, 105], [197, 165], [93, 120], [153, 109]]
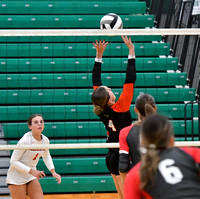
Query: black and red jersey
[[129, 140], [117, 116], [177, 176]]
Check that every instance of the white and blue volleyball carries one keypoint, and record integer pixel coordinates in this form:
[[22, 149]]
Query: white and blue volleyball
[[111, 21]]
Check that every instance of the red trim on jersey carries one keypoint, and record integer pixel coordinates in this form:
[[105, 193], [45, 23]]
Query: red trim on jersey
[[36, 156], [123, 145], [132, 185], [194, 152]]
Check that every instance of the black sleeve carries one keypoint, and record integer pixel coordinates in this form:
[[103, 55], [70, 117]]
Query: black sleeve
[[131, 71], [124, 162], [96, 74]]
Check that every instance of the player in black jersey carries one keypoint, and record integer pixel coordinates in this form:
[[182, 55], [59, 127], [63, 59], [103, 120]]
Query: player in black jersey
[[165, 172], [129, 137], [114, 115]]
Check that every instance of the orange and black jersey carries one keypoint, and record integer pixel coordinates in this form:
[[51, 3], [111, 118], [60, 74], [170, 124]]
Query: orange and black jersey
[[117, 116], [177, 176]]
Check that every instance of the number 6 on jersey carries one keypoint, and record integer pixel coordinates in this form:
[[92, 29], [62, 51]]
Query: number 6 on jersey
[[170, 173]]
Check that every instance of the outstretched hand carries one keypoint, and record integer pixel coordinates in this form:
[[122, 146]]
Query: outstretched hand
[[127, 41], [129, 44], [100, 47]]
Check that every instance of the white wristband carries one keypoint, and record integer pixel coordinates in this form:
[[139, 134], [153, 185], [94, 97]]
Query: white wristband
[[131, 56], [98, 60]]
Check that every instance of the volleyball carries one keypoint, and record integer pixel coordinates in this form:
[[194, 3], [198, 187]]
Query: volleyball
[[111, 21]]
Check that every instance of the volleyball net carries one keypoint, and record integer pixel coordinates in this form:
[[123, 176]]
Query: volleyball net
[[84, 146], [97, 32], [59, 104]]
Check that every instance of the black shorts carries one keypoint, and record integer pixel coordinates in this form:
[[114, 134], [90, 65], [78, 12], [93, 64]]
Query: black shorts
[[16, 184], [112, 161]]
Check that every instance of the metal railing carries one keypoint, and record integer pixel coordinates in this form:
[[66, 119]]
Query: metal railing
[[192, 119]]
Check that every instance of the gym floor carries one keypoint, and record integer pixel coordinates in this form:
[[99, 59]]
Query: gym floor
[[77, 196]]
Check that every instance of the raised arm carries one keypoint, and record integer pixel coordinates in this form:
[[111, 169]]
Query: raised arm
[[131, 71], [130, 45], [125, 99], [96, 74], [100, 48]]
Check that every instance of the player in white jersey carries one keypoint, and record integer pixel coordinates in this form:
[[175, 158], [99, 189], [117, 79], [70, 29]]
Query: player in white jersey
[[22, 176]]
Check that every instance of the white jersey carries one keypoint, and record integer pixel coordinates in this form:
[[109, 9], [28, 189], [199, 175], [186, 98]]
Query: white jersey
[[23, 160]]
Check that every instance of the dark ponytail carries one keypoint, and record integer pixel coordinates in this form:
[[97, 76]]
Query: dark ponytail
[[145, 104], [156, 132], [100, 98]]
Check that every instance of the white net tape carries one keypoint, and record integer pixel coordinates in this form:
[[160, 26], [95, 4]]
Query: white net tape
[[84, 146], [98, 32]]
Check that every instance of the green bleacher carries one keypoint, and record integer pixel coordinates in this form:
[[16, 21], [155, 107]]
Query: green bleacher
[[66, 7], [69, 21], [71, 96], [84, 64], [68, 80], [82, 112], [72, 165], [52, 75], [79, 50], [82, 129], [90, 183], [46, 39]]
